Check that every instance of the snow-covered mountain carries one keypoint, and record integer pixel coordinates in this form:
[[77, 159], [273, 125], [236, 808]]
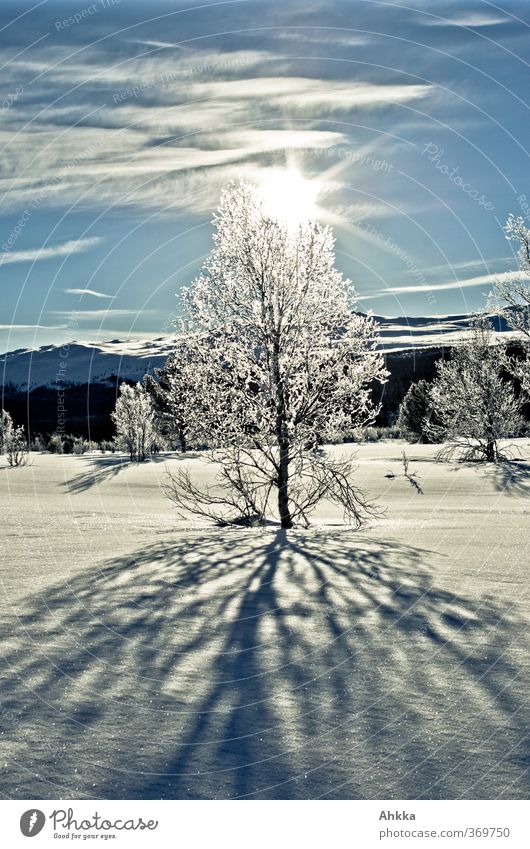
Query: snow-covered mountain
[[406, 332], [87, 362], [82, 362]]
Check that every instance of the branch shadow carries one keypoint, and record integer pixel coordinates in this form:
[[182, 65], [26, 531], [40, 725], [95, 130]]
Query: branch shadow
[[510, 476], [264, 664], [105, 468]]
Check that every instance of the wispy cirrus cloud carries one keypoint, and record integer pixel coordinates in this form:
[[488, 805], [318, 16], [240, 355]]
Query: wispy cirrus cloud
[[17, 327], [136, 116], [313, 93], [137, 133], [474, 20], [468, 264], [481, 280], [89, 315], [91, 292], [75, 246]]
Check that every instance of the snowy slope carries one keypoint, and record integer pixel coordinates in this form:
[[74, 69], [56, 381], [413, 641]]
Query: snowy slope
[[86, 362], [406, 332], [82, 362]]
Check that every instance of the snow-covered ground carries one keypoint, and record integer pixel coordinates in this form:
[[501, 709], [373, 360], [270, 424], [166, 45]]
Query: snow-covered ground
[[146, 657]]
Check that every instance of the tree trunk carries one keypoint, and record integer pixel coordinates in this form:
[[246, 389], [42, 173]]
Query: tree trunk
[[283, 487], [282, 437], [491, 451], [182, 440]]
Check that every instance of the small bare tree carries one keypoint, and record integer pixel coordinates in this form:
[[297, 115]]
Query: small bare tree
[[474, 406], [14, 442], [5, 418], [281, 363]]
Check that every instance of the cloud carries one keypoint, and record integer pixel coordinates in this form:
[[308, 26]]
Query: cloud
[[141, 166], [470, 263], [67, 249], [475, 20], [162, 45], [83, 315], [131, 130], [303, 93], [88, 292], [15, 327], [335, 37], [482, 280]]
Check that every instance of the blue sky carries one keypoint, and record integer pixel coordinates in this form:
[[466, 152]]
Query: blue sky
[[122, 121]]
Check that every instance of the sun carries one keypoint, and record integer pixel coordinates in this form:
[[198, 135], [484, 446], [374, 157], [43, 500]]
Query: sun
[[289, 197]]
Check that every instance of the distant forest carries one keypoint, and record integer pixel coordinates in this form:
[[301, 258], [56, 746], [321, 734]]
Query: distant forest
[[89, 405]]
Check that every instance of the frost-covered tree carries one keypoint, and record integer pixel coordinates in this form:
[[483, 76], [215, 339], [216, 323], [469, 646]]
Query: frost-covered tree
[[56, 443], [13, 441], [5, 418], [176, 395], [513, 293], [474, 406], [415, 411], [134, 418], [281, 363]]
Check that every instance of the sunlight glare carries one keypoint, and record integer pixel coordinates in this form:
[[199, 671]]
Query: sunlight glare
[[290, 198]]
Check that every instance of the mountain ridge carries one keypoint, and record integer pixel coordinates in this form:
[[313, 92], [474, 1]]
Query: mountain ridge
[[80, 362]]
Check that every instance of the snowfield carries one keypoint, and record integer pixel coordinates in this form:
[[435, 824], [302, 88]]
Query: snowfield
[[144, 656]]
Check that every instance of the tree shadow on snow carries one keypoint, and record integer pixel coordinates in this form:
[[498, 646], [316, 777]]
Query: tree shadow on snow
[[105, 468], [264, 664], [511, 477]]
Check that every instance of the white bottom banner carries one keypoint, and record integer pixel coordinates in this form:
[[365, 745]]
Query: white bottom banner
[[256, 824]]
